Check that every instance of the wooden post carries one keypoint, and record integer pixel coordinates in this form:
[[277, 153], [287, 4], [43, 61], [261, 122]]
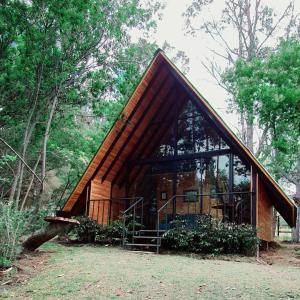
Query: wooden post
[[295, 230]]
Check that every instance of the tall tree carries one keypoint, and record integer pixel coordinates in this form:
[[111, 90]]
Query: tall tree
[[57, 55], [245, 30], [272, 87]]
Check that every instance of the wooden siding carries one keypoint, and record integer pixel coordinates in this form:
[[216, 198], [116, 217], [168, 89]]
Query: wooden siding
[[264, 212], [118, 205], [99, 210]]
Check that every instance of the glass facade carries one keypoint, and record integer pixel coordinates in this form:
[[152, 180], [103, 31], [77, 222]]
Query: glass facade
[[194, 165], [189, 133]]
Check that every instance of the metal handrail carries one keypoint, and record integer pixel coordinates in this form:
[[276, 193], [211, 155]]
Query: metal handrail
[[135, 203], [158, 241], [133, 206], [164, 205], [205, 195], [106, 200]]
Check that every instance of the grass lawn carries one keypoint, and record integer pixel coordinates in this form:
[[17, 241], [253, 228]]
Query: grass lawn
[[88, 272]]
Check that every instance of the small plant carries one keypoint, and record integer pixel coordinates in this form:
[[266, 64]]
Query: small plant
[[179, 236], [5, 262], [211, 236], [89, 231], [86, 231], [11, 228], [111, 234]]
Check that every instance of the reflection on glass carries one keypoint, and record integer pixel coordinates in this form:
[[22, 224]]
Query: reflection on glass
[[190, 196], [241, 176], [242, 197], [190, 132], [166, 147], [202, 185]]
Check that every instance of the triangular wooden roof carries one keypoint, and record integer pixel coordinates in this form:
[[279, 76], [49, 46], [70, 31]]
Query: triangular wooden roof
[[161, 84]]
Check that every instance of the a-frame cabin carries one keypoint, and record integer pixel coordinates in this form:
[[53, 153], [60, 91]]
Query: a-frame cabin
[[169, 153]]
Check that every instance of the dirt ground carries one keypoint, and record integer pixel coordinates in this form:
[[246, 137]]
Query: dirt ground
[[90, 272]]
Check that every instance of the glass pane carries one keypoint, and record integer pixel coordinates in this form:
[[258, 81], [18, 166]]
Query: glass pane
[[189, 110], [190, 196], [166, 145], [223, 174], [185, 143], [195, 134], [242, 200], [188, 187], [241, 176]]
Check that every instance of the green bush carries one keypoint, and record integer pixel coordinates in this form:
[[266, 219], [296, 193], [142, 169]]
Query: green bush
[[11, 228], [85, 232], [179, 237], [89, 231], [210, 236], [110, 234]]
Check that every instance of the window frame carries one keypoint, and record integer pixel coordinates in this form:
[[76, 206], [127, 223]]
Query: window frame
[[194, 195]]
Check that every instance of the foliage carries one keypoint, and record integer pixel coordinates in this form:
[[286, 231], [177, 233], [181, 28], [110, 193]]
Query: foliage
[[66, 69], [89, 231], [271, 85], [86, 231], [243, 30], [11, 229], [111, 234], [58, 61], [210, 236]]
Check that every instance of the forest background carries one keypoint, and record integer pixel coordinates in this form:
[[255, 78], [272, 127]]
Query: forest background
[[68, 67]]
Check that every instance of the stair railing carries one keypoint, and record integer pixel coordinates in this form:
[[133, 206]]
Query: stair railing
[[163, 207], [127, 213]]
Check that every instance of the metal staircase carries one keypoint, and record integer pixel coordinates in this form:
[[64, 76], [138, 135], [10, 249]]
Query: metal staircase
[[145, 239], [138, 237]]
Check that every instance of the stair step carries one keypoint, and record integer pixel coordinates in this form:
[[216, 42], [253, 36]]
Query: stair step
[[141, 245], [152, 230], [146, 237]]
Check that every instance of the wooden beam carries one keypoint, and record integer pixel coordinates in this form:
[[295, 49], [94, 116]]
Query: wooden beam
[[128, 139], [156, 137], [136, 147], [154, 77]]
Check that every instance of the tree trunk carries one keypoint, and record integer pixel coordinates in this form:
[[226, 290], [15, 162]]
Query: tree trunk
[[295, 234], [25, 147], [46, 136], [30, 184], [40, 237], [17, 183]]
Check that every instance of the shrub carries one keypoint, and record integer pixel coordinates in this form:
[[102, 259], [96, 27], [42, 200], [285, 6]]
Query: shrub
[[179, 237], [208, 235], [84, 232], [11, 228], [89, 231], [110, 234]]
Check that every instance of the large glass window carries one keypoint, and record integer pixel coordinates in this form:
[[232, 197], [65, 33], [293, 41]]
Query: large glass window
[[166, 146], [189, 133], [207, 184]]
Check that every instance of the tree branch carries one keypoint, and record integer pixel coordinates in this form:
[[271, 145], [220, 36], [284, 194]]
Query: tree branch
[[23, 161]]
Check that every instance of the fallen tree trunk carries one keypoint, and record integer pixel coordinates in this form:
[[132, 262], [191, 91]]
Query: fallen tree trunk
[[57, 226]]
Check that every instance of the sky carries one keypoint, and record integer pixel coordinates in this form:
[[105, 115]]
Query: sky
[[171, 29]]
